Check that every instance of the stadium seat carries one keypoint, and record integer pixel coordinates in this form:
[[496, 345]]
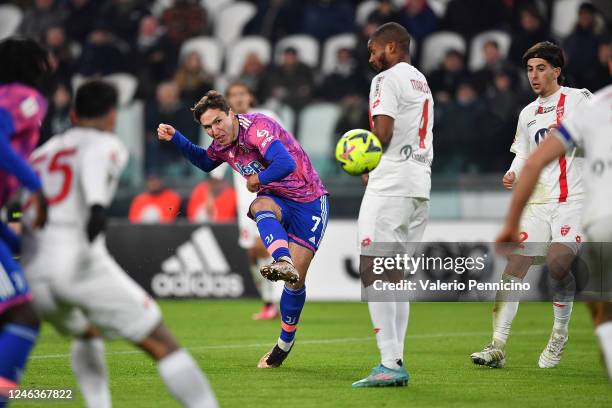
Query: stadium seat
[[316, 133], [237, 53], [214, 7], [364, 10], [435, 47], [130, 129], [331, 47], [564, 16], [476, 55], [209, 50], [287, 118], [232, 19], [439, 7], [126, 84], [10, 18], [159, 6], [306, 46]]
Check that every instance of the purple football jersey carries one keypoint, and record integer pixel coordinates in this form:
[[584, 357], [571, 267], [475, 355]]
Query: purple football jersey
[[255, 135], [27, 108]]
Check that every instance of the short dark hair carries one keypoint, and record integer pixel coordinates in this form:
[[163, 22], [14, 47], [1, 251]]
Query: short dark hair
[[94, 99], [212, 100], [549, 52], [393, 32], [23, 60]]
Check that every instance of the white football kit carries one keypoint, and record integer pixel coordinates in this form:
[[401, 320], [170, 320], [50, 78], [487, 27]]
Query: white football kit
[[395, 205], [555, 207], [76, 283]]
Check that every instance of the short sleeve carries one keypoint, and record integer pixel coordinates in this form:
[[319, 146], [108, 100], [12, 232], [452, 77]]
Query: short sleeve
[[384, 96], [262, 133], [102, 164]]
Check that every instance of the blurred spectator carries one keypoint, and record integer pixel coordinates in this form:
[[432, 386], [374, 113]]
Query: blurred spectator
[[361, 49], [103, 54], [502, 99], [531, 31], [57, 119], [183, 20], [582, 47], [484, 78], [324, 18], [191, 79], [275, 19], [386, 12], [470, 17], [444, 80], [82, 18], [61, 50], [252, 70], [37, 19], [353, 114], [212, 201], [602, 72], [155, 57], [291, 82], [419, 19], [344, 80], [157, 205], [164, 158], [124, 16]]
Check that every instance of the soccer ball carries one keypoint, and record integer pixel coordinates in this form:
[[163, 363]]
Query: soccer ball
[[358, 151]]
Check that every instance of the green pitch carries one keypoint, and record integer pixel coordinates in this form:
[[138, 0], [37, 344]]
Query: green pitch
[[335, 346]]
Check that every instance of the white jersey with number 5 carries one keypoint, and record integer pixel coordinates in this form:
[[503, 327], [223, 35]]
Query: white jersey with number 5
[[402, 93], [78, 169], [560, 181], [590, 128]]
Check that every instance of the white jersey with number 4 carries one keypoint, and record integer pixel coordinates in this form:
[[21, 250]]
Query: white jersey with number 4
[[560, 181], [402, 93], [78, 169], [590, 127]]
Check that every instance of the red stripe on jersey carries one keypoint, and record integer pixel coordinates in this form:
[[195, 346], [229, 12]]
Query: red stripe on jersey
[[370, 119], [563, 190]]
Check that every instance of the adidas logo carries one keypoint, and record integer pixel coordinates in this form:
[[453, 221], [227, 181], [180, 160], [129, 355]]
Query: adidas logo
[[198, 269]]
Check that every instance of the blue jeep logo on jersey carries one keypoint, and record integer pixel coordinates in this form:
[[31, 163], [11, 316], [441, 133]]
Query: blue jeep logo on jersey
[[251, 168], [540, 135]]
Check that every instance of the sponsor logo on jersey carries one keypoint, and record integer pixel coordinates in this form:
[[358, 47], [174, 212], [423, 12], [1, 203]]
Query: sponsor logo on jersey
[[540, 135], [250, 168], [198, 269], [542, 110], [267, 140], [262, 133], [366, 242], [578, 239], [29, 107], [565, 230], [533, 122], [406, 152]]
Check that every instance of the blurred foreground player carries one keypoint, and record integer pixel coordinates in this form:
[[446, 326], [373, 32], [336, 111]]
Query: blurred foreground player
[[23, 65], [554, 209], [395, 206], [76, 284], [588, 127], [291, 206]]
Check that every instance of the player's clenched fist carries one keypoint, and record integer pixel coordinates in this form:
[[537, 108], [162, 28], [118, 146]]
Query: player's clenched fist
[[509, 179], [253, 184], [165, 132]]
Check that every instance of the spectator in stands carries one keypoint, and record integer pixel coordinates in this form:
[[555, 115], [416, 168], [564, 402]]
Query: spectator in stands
[[345, 80], [602, 73], [361, 49], [82, 18], [292, 82], [125, 16], [531, 31], [353, 115], [162, 158], [155, 57], [502, 99], [470, 17], [157, 205], [252, 70], [484, 78], [37, 19], [57, 119], [275, 19], [582, 47], [444, 80], [324, 18], [192, 79], [386, 12], [103, 53], [419, 19], [212, 201], [184, 19], [61, 50]]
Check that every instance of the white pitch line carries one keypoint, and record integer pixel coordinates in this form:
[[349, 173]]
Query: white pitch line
[[318, 341]]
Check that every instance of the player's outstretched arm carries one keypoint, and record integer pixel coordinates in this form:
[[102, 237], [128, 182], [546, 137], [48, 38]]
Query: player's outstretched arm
[[548, 151], [192, 152]]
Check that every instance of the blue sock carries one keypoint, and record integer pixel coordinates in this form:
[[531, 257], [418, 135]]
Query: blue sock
[[16, 342], [291, 305], [272, 234]]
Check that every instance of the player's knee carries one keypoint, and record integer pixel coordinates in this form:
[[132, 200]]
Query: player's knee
[[264, 204], [159, 343]]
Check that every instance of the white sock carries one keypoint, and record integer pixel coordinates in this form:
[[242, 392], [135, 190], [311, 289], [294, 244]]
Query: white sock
[[562, 312], [185, 380], [504, 312], [604, 332], [383, 315], [89, 367], [402, 314]]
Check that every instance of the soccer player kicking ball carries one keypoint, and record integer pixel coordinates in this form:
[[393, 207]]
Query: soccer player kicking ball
[[76, 284], [553, 213], [589, 127], [291, 206], [395, 206], [22, 109]]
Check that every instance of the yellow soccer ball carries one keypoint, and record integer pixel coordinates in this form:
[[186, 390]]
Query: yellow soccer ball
[[358, 151]]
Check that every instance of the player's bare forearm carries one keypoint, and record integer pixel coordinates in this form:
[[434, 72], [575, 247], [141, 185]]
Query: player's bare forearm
[[383, 129]]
